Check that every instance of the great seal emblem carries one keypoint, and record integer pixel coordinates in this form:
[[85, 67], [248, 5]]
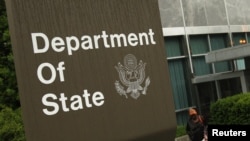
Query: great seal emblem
[[131, 76]]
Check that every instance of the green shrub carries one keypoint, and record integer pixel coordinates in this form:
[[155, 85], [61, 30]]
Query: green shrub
[[180, 131], [11, 125], [231, 110]]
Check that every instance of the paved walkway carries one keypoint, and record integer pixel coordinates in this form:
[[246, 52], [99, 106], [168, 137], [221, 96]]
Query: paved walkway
[[182, 138]]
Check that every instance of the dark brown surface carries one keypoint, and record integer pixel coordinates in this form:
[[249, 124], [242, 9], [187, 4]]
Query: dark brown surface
[[149, 117]]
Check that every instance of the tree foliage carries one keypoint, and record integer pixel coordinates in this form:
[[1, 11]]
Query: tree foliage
[[11, 125], [8, 85]]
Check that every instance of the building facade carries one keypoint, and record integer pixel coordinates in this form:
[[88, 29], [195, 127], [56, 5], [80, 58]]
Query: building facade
[[192, 29]]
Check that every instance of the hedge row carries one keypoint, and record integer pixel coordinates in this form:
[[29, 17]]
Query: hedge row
[[231, 110]]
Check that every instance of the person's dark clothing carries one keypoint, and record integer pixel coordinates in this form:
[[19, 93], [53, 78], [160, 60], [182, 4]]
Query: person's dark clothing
[[195, 128]]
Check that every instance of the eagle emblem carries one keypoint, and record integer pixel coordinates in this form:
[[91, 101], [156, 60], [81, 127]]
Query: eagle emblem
[[132, 76]]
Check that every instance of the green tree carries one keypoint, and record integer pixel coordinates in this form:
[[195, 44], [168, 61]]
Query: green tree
[[11, 125], [8, 85]]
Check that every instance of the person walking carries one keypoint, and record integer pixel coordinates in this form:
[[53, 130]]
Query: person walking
[[195, 126]]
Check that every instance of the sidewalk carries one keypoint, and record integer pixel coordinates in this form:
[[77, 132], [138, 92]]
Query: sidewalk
[[182, 138]]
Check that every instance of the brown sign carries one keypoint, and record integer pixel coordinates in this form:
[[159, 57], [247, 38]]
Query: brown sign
[[92, 70]]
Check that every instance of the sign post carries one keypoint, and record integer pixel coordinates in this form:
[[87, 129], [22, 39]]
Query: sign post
[[92, 70]]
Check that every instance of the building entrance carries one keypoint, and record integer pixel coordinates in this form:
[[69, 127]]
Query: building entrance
[[206, 95], [209, 92]]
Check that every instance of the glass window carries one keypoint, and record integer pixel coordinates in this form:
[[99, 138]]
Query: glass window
[[199, 47], [173, 46], [200, 66], [179, 74], [199, 44], [248, 37], [238, 39], [222, 66], [178, 81], [220, 41]]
